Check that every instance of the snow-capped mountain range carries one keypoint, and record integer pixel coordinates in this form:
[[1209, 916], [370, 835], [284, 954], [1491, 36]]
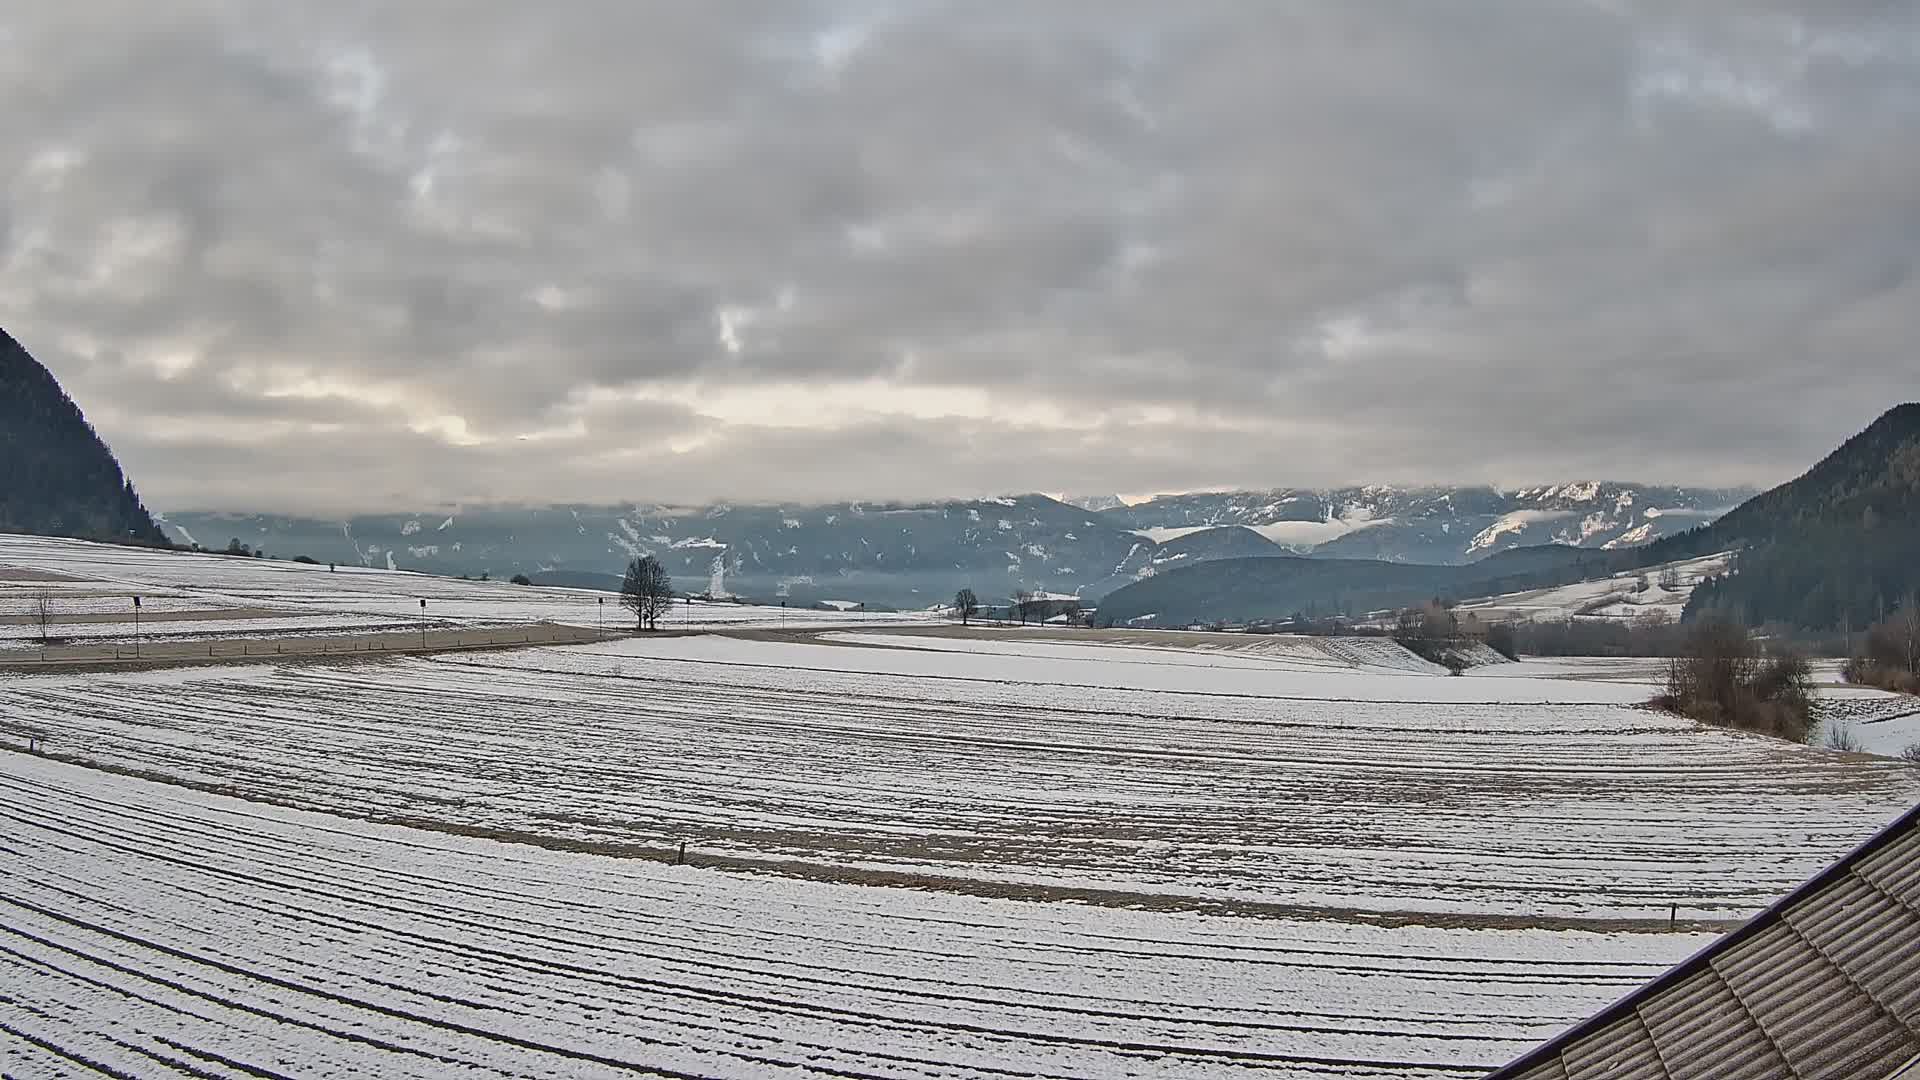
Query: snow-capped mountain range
[[917, 555], [1438, 524]]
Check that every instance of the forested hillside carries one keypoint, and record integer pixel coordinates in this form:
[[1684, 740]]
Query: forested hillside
[[1838, 547], [1277, 588], [56, 477]]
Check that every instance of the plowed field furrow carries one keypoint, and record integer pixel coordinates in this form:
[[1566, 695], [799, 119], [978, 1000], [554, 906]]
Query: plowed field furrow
[[1557, 810], [159, 931], [803, 976]]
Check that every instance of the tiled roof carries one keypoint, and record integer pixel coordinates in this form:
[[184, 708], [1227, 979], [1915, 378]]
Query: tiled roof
[[1825, 983]]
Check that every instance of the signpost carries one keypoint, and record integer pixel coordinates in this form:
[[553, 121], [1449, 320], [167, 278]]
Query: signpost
[[136, 628], [423, 622]]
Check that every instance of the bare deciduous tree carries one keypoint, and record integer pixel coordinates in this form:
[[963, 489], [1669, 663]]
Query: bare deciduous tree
[[1022, 600], [966, 605], [1890, 655], [43, 612], [646, 591]]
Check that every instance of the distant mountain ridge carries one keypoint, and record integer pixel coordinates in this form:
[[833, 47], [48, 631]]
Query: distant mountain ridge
[[1831, 549], [895, 554], [919, 554], [59, 478], [1439, 524]]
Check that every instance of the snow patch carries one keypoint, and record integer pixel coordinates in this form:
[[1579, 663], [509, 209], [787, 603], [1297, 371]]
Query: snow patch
[[1517, 521]]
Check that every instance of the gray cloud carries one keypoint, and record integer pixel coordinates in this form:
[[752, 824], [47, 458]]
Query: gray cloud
[[419, 253]]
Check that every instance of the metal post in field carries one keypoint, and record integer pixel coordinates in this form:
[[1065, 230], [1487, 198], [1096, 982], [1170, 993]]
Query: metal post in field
[[136, 628], [423, 622]]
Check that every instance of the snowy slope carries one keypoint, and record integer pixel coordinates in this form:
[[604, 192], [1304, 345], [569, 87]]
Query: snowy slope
[[1617, 597]]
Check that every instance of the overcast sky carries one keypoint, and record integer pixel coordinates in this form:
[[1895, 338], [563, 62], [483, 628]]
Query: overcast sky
[[332, 255]]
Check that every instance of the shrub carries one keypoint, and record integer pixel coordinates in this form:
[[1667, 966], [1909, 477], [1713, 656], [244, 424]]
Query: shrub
[[521, 579], [1720, 678], [1841, 737]]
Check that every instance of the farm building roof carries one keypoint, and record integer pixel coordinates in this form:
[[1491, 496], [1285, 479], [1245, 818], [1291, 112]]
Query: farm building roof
[[1825, 983]]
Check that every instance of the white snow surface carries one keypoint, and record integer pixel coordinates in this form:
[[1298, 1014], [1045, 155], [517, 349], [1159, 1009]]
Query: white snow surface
[[1516, 521], [204, 581], [214, 929], [1215, 778], [1617, 597], [1298, 535]]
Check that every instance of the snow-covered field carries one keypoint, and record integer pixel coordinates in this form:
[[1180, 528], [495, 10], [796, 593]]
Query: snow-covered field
[[1229, 781], [159, 627], [86, 578], [1616, 597], [158, 931], [917, 851], [1876, 721]]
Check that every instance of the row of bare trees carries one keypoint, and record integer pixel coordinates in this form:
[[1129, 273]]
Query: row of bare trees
[[1889, 654], [1037, 607]]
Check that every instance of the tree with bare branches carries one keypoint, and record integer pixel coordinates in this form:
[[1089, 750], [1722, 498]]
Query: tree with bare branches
[[43, 613], [966, 605], [647, 591]]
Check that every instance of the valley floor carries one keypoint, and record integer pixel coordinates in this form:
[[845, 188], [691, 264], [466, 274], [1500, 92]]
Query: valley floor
[[945, 853], [158, 931]]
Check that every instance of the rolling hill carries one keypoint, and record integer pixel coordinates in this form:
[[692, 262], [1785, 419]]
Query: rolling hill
[[1247, 590]]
